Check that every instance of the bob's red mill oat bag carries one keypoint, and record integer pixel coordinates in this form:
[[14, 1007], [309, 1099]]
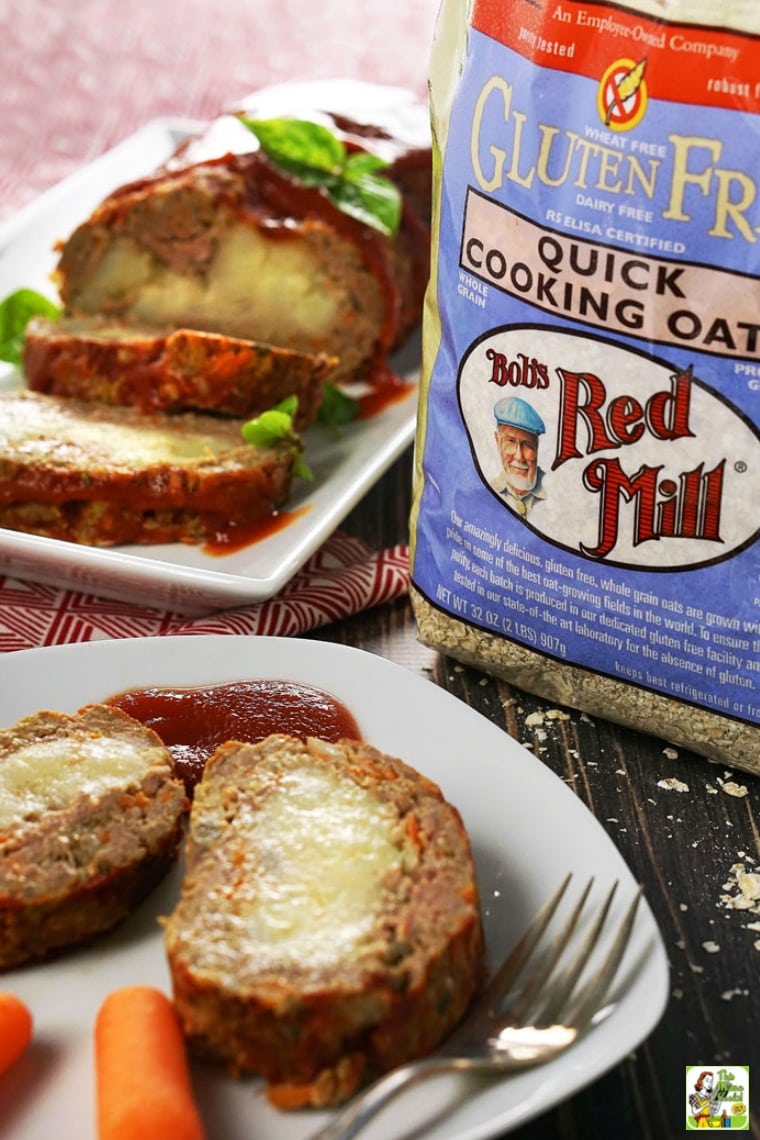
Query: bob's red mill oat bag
[[587, 481]]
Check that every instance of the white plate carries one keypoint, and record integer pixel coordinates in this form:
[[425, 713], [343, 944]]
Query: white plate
[[174, 575], [526, 827]]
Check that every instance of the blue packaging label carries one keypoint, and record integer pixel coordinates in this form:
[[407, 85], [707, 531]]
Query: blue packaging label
[[590, 452]]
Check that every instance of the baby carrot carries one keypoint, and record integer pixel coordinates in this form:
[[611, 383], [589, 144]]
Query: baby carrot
[[142, 1078], [15, 1029]]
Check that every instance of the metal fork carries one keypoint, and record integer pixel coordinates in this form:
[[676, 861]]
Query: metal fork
[[533, 1008]]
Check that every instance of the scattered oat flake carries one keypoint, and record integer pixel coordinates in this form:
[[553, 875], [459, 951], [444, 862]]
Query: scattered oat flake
[[557, 714], [739, 902], [731, 788], [749, 885], [682, 906], [727, 995], [671, 784], [742, 892], [710, 947], [671, 753], [711, 791]]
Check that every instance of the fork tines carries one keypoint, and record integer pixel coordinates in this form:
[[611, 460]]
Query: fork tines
[[539, 982]]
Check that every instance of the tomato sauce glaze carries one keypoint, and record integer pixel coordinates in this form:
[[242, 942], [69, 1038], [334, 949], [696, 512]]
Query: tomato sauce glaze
[[193, 722]]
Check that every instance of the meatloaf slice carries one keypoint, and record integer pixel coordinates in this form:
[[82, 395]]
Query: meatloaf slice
[[222, 239], [328, 927], [236, 247], [87, 473], [181, 370], [91, 816]]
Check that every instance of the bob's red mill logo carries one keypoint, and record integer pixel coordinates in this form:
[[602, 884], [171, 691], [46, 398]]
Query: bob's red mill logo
[[560, 423], [686, 506]]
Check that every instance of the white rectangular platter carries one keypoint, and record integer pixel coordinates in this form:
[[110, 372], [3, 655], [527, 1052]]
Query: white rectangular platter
[[187, 579]]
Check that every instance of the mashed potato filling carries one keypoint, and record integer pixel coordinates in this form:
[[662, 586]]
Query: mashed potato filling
[[271, 290], [311, 863], [56, 436], [48, 775]]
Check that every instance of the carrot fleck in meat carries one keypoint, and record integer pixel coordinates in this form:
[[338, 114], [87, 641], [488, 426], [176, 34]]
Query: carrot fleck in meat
[[143, 1083], [289, 1097], [413, 829], [15, 1029]]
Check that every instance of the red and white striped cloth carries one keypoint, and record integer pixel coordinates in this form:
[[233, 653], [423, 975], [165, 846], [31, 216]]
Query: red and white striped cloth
[[344, 577]]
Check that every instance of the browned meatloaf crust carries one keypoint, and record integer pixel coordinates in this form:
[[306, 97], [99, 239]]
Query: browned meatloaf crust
[[91, 816], [181, 370], [87, 473], [328, 927], [234, 245]]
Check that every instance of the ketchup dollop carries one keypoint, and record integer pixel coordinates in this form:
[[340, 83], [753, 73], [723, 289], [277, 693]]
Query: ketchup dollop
[[193, 722]]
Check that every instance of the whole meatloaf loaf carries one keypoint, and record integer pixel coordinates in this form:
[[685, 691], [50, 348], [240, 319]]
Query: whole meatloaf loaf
[[225, 240], [91, 816], [179, 370], [328, 927], [88, 473]]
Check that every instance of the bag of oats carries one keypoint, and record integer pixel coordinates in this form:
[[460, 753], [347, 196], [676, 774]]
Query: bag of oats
[[587, 463]]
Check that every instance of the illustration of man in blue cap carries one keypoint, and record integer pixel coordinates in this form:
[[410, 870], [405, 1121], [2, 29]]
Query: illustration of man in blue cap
[[518, 428]]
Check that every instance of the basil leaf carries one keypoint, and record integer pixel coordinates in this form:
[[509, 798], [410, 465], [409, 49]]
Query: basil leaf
[[275, 426], [360, 163], [15, 313], [337, 407], [317, 157], [311, 176], [302, 470], [372, 200], [269, 428], [297, 142]]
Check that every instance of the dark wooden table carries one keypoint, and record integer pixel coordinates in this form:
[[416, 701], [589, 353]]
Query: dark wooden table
[[680, 845]]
